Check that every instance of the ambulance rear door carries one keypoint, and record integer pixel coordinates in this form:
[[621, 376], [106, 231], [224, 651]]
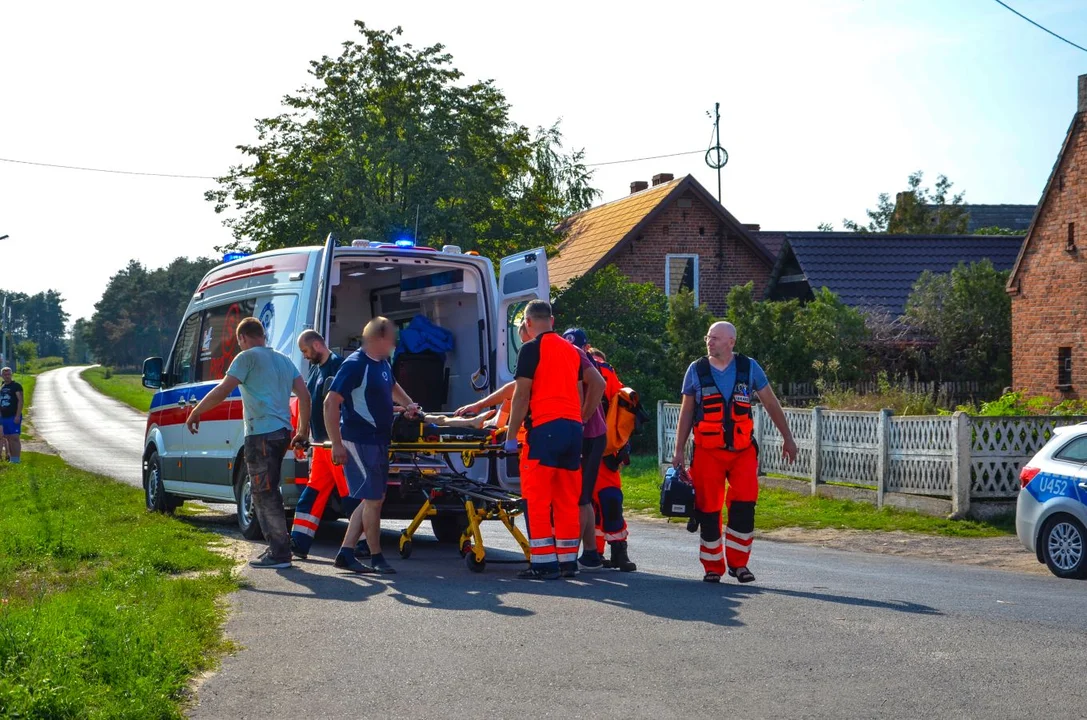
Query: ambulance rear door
[[324, 286]]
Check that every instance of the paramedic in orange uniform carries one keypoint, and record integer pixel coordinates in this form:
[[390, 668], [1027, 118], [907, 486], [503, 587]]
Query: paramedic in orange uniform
[[717, 392], [548, 397]]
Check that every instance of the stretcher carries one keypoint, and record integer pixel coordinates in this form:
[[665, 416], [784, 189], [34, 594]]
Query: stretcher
[[425, 465]]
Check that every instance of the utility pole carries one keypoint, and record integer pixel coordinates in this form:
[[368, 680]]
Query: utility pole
[[4, 330], [716, 156]]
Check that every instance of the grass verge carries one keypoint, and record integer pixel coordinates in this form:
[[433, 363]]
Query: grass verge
[[106, 610], [128, 389], [782, 508]]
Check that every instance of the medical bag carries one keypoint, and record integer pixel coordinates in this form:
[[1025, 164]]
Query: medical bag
[[677, 495]]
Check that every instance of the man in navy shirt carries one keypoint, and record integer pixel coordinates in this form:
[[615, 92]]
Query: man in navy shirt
[[359, 419]]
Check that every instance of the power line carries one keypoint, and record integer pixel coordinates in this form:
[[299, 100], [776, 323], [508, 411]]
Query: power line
[[654, 157], [103, 170], [1040, 27]]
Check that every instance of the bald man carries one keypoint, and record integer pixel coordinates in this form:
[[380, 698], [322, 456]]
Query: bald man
[[717, 393]]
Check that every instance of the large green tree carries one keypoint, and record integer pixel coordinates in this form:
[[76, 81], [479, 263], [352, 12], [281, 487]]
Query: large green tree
[[388, 137], [40, 318], [140, 311], [916, 210], [967, 313]]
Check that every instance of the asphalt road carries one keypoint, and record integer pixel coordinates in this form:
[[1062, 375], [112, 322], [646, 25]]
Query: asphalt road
[[822, 634]]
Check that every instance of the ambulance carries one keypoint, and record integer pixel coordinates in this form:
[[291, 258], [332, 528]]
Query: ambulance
[[335, 290]]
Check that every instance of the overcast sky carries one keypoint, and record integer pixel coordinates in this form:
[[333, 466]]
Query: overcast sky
[[824, 104]]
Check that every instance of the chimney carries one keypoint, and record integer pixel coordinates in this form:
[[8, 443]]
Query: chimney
[[1082, 93], [638, 186], [661, 178], [754, 227]]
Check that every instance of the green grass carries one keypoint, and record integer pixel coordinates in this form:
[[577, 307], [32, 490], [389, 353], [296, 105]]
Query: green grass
[[96, 619], [128, 389], [782, 508]]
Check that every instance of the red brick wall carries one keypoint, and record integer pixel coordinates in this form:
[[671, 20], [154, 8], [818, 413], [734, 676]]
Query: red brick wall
[[694, 230], [1050, 309]]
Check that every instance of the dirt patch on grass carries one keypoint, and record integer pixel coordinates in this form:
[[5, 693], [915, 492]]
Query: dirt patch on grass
[[1000, 553]]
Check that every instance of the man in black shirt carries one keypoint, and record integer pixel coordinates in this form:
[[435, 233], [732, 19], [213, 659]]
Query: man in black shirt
[[11, 414]]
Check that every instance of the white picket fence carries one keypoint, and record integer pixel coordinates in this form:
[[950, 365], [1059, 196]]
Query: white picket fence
[[949, 456]]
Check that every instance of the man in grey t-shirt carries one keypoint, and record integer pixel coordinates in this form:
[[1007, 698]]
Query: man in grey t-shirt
[[265, 378]]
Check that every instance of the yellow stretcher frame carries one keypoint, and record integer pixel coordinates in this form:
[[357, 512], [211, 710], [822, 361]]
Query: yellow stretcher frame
[[481, 502]]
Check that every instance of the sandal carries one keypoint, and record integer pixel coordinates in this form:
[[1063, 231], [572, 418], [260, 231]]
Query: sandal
[[711, 577], [742, 574]]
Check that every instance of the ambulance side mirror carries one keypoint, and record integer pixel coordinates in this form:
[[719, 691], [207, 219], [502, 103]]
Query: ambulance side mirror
[[152, 373]]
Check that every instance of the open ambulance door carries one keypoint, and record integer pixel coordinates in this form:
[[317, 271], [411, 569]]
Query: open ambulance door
[[324, 287], [521, 278]]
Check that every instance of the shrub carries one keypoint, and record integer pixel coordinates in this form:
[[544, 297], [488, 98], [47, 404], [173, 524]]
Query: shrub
[[1018, 404]]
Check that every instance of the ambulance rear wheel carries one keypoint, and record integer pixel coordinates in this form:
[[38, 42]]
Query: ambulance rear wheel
[[473, 564], [247, 516], [449, 528]]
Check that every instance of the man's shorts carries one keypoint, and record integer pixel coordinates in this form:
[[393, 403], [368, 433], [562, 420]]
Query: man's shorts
[[11, 427], [556, 444], [366, 470]]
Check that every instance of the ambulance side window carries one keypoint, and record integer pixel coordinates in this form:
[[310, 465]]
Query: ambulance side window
[[183, 362], [219, 339], [514, 316]]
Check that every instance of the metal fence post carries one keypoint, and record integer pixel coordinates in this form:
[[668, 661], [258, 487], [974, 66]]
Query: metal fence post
[[962, 440], [816, 452], [883, 459], [660, 432]]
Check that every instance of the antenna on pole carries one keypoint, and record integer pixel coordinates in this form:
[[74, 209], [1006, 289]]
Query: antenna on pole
[[717, 156]]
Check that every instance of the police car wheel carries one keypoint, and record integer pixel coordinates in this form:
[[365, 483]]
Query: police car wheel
[[247, 517], [155, 495], [1064, 546]]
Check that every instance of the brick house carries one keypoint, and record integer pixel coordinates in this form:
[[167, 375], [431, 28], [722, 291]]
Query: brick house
[[1048, 284], [673, 234]]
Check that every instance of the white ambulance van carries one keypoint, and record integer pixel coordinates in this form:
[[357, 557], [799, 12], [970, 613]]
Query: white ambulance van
[[335, 290]]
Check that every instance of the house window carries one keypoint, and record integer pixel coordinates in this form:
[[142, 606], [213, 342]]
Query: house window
[[681, 271], [1064, 367], [1071, 246]]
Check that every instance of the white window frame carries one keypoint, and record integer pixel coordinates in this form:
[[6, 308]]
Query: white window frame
[[668, 275]]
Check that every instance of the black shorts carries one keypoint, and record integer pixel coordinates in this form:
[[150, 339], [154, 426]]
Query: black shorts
[[592, 452]]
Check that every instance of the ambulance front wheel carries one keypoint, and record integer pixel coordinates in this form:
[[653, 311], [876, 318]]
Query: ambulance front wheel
[[473, 564], [155, 495]]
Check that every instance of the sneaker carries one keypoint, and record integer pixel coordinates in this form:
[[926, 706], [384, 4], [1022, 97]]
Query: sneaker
[[568, 570], [298, 552], [383, 567], [362, 550], [590, 562], [534, 573], [267, 562], [346, 562]]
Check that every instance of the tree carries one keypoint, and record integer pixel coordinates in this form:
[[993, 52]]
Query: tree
[[26, 351], [917, 210], [389, 137], [997, 230], [788, 337], [627, 322], [687, 327], [140, 311], [968, 314], [46, 323], [79, 351], [825, 227]]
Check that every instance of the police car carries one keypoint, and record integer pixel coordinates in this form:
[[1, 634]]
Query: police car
[[1051, 513]]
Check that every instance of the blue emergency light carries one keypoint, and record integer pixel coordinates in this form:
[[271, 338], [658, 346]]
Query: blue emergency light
[[232, 256], [405, 243]]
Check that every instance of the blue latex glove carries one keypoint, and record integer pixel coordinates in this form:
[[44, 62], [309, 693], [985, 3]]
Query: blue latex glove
[[511, 445]]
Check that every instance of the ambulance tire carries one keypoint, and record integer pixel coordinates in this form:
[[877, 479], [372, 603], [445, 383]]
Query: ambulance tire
[[247, 517], [449, 528], [154, 493]]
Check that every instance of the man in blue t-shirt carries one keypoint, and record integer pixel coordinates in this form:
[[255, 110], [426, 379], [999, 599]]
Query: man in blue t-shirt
[[717, 405], [359, 419]]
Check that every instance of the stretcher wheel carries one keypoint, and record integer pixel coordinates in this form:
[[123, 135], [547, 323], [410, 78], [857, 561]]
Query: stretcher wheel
[[473, 564], [405, 549], [466, 550]]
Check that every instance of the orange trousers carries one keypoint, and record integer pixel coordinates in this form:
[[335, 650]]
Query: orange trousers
[[324, 477], [608, 506], [711, 471], [551, 496]]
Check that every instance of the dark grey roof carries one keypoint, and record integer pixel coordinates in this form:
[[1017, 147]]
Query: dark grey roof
[[772, 240], [1009, 217], [870, 270]]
